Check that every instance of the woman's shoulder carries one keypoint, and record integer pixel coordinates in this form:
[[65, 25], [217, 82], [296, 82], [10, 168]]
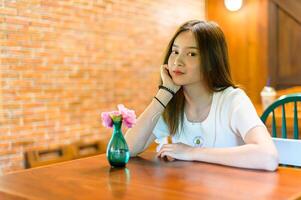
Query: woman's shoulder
[[231, 93], [231, 98]]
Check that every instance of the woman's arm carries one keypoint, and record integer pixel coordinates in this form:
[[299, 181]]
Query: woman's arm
[[140, 135], [259, 152]]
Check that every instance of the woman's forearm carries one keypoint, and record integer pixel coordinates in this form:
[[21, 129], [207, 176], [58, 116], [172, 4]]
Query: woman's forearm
[[250, 156], [138, 135]]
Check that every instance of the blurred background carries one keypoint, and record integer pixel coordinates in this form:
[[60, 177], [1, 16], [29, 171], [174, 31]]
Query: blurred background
[[63, 62]]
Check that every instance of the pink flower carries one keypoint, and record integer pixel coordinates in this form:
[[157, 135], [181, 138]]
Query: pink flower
[[106, 119], [127, 116]]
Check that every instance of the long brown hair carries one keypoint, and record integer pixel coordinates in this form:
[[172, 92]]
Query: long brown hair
[[214, 66]]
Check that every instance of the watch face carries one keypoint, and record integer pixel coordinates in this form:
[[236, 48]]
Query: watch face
[[198, 141]]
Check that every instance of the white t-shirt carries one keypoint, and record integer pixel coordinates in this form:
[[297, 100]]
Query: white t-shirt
[[231, 116]]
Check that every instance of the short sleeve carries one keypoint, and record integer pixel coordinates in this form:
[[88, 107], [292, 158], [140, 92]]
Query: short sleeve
[[244, 116], [161, 132], [161, 129]]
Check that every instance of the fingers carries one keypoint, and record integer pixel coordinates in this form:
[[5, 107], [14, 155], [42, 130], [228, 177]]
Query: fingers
[[167, 156], [162, 151], [167, 79], [164, 71], [166, 152], [165, 66], [168, 145], [165, 147]]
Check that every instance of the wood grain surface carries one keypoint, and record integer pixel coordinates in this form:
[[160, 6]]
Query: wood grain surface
[[147, 177]]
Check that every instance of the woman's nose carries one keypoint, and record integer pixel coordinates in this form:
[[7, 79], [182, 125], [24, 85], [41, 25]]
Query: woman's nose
[[178, 60]]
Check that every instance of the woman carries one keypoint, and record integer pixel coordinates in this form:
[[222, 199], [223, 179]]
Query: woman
[[197, 104]]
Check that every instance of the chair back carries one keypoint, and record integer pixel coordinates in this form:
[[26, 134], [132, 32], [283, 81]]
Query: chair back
[[83, 149], [38, 157], [281, 102]]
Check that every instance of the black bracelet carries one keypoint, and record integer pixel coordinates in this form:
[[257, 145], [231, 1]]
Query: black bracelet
[[167, 89], [160, 102]]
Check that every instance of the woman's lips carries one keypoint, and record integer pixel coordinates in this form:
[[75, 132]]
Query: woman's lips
[[178, 73]]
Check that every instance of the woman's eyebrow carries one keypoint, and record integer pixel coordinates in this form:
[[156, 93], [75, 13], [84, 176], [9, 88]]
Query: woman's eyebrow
[[190, 47]]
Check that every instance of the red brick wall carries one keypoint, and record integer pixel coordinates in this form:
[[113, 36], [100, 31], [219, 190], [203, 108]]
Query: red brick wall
[[64, 62]]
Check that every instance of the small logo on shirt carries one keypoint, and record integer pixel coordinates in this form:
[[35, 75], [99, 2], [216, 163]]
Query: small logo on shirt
[[198, 141]]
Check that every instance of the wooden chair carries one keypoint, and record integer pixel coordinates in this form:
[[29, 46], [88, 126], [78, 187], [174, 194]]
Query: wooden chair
[[282, 102], [36, 158], [81, 150]]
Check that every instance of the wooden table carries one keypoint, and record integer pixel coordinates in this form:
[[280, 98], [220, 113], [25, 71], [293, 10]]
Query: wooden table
[[147, 177]]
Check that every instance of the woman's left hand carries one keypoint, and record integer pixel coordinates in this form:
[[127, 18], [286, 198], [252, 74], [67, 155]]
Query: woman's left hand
[[178, 151]]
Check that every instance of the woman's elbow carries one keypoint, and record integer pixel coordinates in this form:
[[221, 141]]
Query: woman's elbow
[[271, 161]]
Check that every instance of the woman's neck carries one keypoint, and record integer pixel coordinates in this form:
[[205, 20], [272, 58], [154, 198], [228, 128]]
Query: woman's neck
[[197, 97]]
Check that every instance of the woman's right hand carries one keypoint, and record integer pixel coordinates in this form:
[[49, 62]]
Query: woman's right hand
[[167, 80]]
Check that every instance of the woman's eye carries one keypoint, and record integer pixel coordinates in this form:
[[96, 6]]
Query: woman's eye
[[174, 52], [192, 54]]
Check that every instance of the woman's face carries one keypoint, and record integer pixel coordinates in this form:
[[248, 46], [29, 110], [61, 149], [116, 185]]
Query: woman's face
[[184, 61]]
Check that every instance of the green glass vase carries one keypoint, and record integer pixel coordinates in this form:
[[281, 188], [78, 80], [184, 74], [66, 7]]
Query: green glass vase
[[118, 153]]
